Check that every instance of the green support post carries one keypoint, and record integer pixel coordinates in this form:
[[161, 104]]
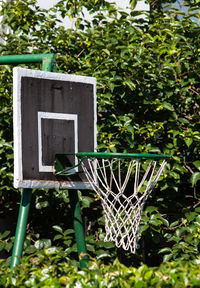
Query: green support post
[[49, 63], [21, 227], [78, 228]]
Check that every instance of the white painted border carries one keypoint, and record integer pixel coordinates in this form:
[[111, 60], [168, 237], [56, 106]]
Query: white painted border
[[18, 73], [56, 116], [32, 184], [17, 128]]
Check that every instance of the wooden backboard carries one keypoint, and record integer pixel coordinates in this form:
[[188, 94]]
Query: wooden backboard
[[53, 113]]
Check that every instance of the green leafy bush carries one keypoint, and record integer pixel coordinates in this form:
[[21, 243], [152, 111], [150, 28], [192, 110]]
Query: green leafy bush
[[147, 71], [48, 269]]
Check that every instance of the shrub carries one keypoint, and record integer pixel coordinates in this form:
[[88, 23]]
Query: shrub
[[48, 270], [147, 71]]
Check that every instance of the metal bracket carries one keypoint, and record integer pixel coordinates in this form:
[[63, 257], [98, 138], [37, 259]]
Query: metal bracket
[[63, 167]]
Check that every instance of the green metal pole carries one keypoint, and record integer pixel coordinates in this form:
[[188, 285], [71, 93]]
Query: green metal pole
[[23, 59], [48, 60], [21, 227], [49, 63], [78, 228]]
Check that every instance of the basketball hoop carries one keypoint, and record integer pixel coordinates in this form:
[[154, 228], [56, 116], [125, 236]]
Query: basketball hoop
[[122, 208]]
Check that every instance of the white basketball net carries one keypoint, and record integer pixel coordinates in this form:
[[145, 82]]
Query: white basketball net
[[122, 213]]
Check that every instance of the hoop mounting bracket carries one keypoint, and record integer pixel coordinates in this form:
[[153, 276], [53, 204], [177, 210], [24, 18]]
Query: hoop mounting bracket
[[62, 165]]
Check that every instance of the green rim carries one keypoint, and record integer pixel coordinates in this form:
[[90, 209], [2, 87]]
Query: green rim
[[121, 155]]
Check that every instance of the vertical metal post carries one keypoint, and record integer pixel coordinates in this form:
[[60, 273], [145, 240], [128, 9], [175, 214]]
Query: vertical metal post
[[78, 228], [21, 227], [49, 63]]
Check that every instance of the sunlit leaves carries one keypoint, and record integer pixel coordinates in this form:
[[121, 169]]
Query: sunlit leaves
[[46, 271], [148, 101]]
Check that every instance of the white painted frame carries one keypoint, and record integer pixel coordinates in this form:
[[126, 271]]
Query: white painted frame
[[56, 116], [18, 73]]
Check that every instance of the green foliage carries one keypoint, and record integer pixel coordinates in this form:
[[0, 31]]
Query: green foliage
[[47, 269], [5, 242], [147, 71], [185, 242]]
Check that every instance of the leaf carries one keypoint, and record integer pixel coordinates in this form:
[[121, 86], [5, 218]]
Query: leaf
[[106, 51], [188, 141], [167, 257], [109, 245], [41, 205], [174, 175], [164, 250], [51, 251], [197, 218], [57, 228], [183, 120], [168, 106], [68, 242], [86, 201], [2, 245], [30, 250], [173, 224], [154, 150], [90, 248], [5, 234], [59, 236], [194, 178], [191, 216], [150, 209], [42, 243], [68, 231], [102, 254], [143, 228], [197, 164], [8, 247], [165, 222], [133, 4], [155, 222], [130, 84]]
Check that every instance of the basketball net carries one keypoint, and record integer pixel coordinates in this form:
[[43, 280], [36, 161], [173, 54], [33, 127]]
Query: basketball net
[[122, 212]]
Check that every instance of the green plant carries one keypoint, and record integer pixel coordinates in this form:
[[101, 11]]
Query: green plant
[[147, 71], [185, 239], [6, 242], [48, 269]]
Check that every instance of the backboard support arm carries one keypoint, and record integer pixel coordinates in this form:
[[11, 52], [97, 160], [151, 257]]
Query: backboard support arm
[[48, 61]]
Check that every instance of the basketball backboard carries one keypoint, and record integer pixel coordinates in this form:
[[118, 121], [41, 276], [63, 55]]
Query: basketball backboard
[[53, 113]]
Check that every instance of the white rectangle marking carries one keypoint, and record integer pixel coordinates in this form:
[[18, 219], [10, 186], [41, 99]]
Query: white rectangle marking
[[56, 116]]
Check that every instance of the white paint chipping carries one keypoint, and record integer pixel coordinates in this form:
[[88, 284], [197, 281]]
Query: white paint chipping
[[56, 116], [32, 184]]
